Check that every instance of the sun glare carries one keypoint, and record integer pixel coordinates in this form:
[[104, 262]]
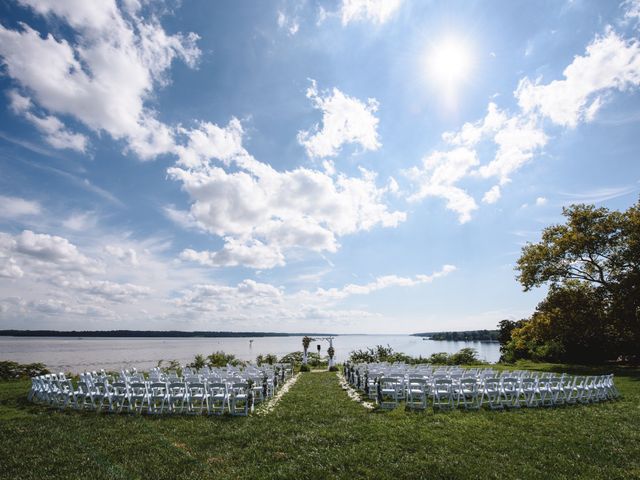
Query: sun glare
[[448, 63]]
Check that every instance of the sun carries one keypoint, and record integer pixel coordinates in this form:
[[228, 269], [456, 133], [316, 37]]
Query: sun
[[448, 63]]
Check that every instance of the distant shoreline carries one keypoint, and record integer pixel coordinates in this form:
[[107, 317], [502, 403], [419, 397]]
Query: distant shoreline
[[150, 334]]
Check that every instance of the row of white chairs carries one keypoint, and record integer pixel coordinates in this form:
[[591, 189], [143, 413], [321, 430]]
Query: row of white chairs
[[131, 391], [476, 388]]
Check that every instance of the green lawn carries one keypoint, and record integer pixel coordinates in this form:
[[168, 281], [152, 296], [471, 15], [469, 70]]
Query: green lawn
[[317, 432]]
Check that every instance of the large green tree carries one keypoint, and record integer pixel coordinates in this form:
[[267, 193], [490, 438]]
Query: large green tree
[[592, 266]]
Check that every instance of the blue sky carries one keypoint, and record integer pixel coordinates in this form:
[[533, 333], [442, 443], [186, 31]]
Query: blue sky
[[348, 166]]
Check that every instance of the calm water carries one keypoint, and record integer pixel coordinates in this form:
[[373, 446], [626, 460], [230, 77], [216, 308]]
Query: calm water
[[78, 354]]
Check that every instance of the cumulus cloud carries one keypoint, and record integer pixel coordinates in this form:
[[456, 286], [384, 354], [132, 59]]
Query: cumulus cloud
[[41, 247], [437, 175], [380, 283], [540, 201], [104, 80], [255, 300], [253, 254], [609, 63], [344, 120], [15, 207], [492, 195], [257, 209], [375, 11], [54, 131], [126, 255]]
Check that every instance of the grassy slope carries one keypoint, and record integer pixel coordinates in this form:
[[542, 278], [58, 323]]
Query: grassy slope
[[317, 432]]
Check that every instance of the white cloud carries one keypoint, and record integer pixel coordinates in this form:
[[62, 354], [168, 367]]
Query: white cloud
[[344, 120], [472, 133], [125, 255], [110, 291], [257, 209], [598, 195], [56, 134], [264, 302], [80, 221], [437, 177], [380, 283], [631, 10], [253, 254], [375, 11], [46, 248], [517, 140], [290, 24], [610, 63], [105, 79], [540, 201], [15, 207], [492, 195], [9, 268]]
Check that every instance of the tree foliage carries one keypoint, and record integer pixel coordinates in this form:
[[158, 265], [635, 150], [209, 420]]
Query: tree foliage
[[592, 311]]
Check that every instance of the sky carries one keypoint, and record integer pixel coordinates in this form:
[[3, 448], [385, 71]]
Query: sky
[[345, 166]]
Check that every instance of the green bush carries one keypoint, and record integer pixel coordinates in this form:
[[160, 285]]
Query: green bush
[[268, 359], [221, 359], [293, 357], [305, 368], [10, 370], [198, 362], [380, 353]]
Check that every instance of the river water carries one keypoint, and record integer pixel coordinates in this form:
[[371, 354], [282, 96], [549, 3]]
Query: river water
[[79, 354]]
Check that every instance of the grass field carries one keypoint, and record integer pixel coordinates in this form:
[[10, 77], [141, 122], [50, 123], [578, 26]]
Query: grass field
[[317, 432]]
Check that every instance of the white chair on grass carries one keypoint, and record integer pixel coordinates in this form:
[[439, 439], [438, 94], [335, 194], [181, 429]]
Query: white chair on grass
[[197, 398], [442, 393], [177, 397], [510, 387], [491, 393], [467, 393], [388, 392], [240, 398], [121, 397], [139, 396], [218, 397], [417, 394], [528, 392], [158, 397]]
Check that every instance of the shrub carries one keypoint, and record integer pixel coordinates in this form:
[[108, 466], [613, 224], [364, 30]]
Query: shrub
[[221, 359], [10, 370], [269, 359], [381, 353], [293, 357], [305, 368], [198, 362]]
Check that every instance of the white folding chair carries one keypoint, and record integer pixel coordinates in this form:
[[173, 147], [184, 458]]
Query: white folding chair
[[177, 397], [239, 398], [218, 397], [417, 393], [467, 393], [158, 397], [442, 393], [197, 398]]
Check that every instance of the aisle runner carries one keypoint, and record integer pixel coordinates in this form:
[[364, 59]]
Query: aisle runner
[[353, 394], [267, 407]]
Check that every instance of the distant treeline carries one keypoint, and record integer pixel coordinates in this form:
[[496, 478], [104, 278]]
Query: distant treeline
[[468, 336], [148, 333]]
